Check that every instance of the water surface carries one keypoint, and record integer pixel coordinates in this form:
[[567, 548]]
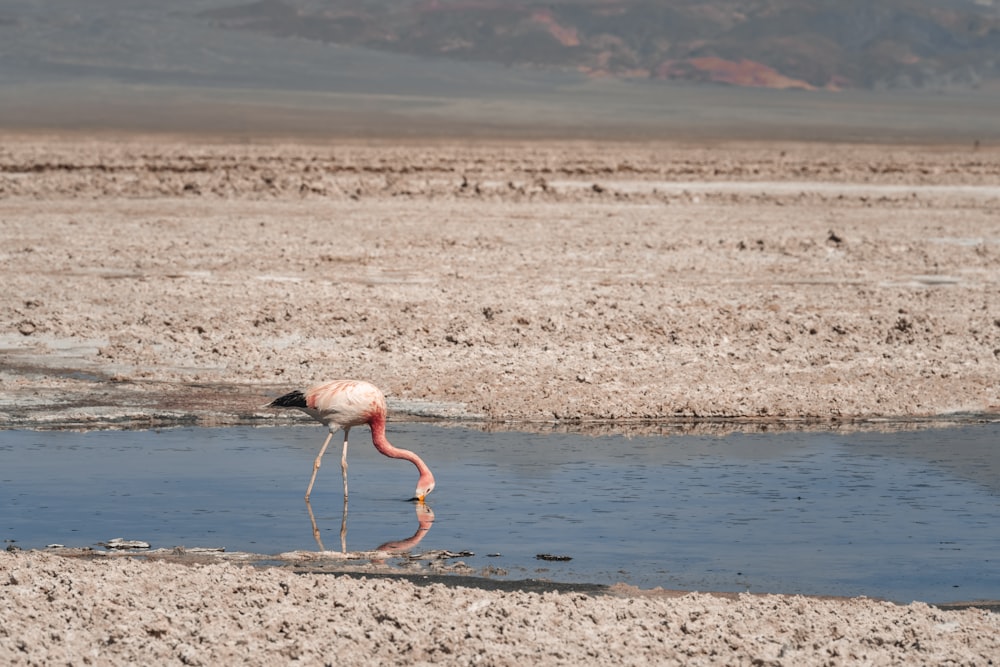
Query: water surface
[[901, 515]]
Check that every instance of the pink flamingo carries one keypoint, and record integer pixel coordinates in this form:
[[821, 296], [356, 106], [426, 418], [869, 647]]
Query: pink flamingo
[[342, 404]]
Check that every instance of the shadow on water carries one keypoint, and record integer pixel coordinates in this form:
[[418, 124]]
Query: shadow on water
[[901, 515]]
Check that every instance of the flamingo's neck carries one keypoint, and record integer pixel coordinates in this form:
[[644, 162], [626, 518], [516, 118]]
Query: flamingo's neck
[[386, 448]]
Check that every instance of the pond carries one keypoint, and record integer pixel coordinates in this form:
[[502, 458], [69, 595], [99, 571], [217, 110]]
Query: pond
[[902, 515]]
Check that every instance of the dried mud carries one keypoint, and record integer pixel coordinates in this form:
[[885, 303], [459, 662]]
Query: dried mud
[[122, 611], [529, 282]]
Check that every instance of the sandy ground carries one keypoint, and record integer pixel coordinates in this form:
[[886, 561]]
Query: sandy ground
[[156, 281], [534, 282], [119, 611]]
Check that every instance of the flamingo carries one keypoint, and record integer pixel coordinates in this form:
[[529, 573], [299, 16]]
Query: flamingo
[[343, 404]]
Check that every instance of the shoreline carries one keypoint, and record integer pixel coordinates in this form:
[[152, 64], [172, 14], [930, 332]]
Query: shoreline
[[97, 418], [373, 565]]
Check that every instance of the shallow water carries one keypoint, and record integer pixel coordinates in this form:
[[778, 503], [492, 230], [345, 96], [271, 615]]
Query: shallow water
[[901, 515]]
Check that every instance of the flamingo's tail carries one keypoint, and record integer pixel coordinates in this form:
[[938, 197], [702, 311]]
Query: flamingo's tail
[[293, 399]]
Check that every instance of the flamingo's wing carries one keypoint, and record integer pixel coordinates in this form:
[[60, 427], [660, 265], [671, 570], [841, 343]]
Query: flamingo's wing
[[344, 402]]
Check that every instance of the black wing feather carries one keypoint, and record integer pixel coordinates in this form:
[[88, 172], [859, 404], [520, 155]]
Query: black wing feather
[[294, 399]]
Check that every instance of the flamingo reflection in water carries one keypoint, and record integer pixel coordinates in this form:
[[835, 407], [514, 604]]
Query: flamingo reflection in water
[[425, 517]]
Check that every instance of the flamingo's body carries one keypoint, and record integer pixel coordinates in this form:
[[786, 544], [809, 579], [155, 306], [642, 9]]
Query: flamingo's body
[[342, 404]]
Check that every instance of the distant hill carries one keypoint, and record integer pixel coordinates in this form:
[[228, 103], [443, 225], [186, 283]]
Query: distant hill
[[872, 70], [808, 44]]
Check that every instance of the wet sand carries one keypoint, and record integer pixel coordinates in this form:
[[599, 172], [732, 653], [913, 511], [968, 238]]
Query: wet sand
[[158, 281]]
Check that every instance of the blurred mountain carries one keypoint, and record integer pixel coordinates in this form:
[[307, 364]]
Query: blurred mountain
[[809, 44], [851, 69]]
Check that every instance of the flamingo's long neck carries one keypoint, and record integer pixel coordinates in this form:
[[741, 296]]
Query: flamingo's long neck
[[385, 447]]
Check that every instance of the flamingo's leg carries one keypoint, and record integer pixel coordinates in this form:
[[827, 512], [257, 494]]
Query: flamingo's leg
[[317, 463], [343, 463]]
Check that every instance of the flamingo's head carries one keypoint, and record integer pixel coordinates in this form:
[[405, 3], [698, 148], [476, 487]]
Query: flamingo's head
[[424, 486]]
